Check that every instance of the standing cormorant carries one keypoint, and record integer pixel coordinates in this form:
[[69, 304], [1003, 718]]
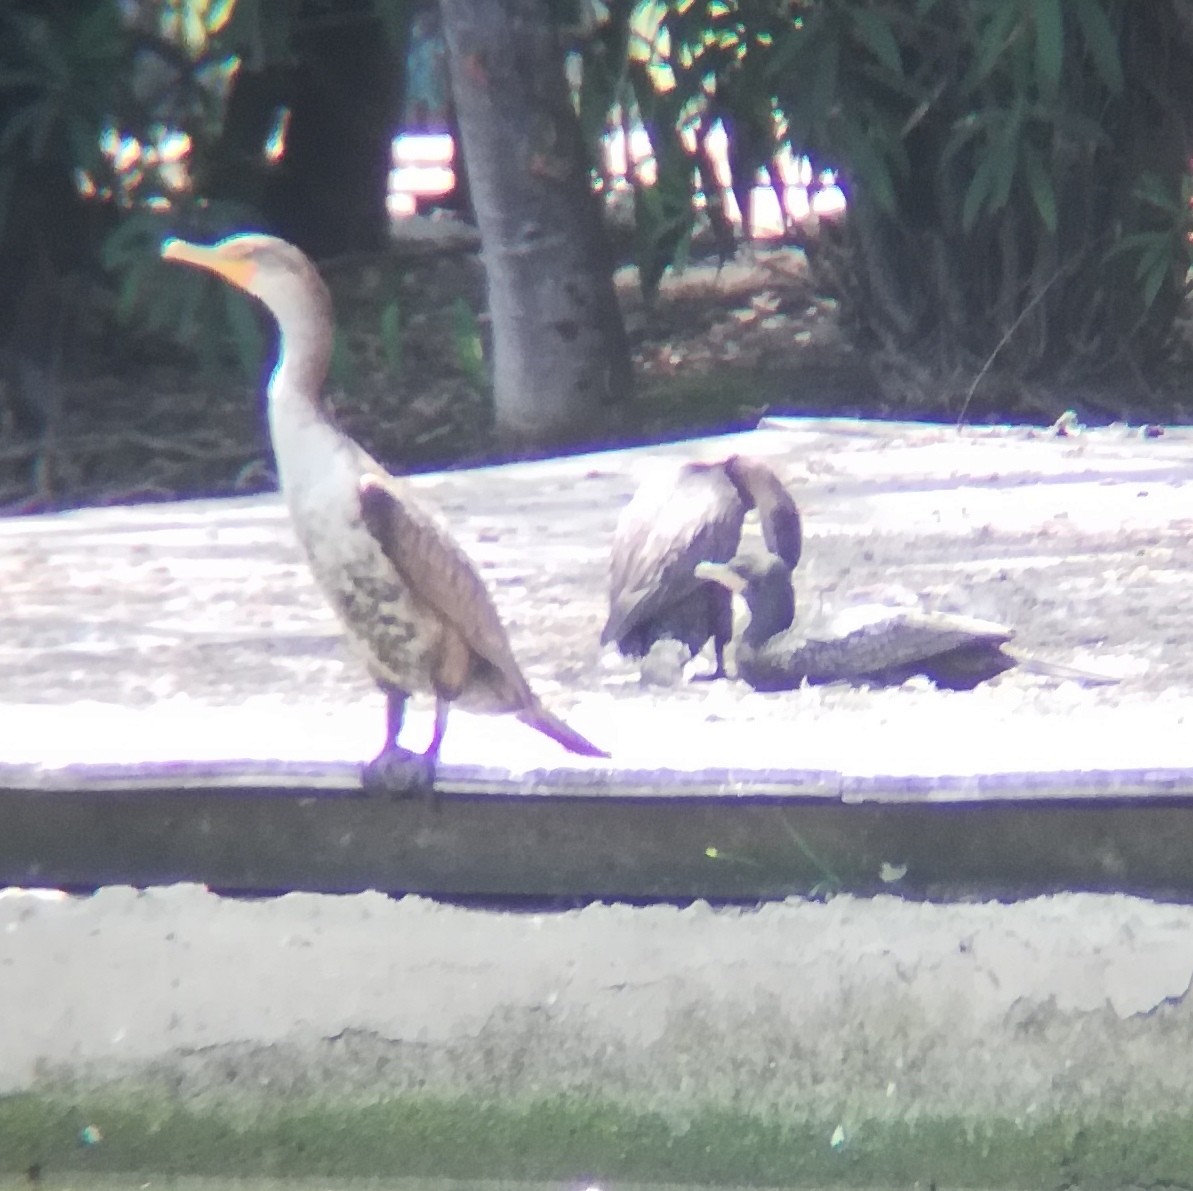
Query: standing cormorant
[[412, 602], [876, 644], [674, 521]]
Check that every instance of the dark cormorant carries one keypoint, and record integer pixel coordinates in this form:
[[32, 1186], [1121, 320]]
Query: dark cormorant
[[875, 644], [674, 521]]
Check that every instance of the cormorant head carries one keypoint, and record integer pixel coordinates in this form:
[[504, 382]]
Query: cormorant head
[[764, 582], [271, 270]]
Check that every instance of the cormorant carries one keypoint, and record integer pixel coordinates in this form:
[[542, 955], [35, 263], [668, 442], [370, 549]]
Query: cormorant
[[412, 602], [674, 521], [876, 644]]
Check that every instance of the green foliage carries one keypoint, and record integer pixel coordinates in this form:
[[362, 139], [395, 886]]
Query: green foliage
[[466, 335], [1014, 168], [392, 349], [87, 93], [93, 89], [59, 78], [663, 213], [342, 371], [676, 67], [1161, 255], [995, 153], [196, 38]]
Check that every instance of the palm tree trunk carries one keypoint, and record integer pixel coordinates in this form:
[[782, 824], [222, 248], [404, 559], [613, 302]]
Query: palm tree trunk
[[560, 354]]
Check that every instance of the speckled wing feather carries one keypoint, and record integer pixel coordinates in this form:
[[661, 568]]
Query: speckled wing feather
[[671, 523], [438, 572]]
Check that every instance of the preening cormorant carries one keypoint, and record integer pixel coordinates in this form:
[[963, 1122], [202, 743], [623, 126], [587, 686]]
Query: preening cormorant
[[675, 520]]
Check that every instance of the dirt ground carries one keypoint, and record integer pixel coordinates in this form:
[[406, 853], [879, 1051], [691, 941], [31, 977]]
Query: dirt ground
[[141, 419], [1081, 544]]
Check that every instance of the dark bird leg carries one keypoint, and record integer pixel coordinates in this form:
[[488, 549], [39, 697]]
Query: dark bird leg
[[720, 622], [398, 771], [442, 707]]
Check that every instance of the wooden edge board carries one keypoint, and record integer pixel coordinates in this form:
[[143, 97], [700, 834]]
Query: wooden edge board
[[582, 849], [307, 778]]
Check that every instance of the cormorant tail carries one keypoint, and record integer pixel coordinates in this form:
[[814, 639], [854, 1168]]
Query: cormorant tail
[[549, 724]]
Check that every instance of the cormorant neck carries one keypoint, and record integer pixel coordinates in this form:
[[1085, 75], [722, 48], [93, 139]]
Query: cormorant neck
[[305, 442], [304, 353], [771, 612], [759, 488], [738, 476]]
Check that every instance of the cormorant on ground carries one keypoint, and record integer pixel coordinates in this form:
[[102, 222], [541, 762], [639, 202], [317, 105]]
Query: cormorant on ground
[[412, 602], [675, 520], [874, 644]]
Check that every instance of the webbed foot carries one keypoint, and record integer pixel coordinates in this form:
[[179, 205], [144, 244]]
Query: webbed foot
[[399, 773]]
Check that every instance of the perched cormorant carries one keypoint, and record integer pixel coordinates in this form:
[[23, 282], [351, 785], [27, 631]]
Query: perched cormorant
[[674, 521], [412, 602], [877, 644]]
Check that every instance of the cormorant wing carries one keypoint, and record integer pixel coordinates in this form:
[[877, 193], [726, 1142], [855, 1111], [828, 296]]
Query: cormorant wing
[[436, 570], [670, 525], [871, 638]]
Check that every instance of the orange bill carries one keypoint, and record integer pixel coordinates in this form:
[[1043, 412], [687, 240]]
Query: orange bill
[[212, 257]]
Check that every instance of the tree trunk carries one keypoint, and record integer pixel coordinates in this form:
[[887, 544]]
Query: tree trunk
[[328, 193], [560, 354]]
